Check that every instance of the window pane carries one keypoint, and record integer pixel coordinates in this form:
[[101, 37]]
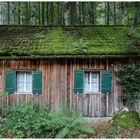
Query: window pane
[[20, 87], [91, 82], [24, 82], [29, 77], [20, 76], [29, 87], [95, 87], [86, 87]]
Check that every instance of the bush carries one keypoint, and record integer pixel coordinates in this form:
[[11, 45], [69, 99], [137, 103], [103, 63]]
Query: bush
[[27, 120], [129, 80]]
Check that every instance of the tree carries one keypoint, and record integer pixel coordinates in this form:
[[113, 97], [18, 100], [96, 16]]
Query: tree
[[93, 13], [133, 19], [73, 13], [122, 13], [1, 13], [43, 13], [110, 13], [33, 13], [70, 13], [8, 13], [67, 14], [129, 80]]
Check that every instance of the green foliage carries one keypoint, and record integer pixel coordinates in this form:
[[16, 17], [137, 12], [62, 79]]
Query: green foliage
[[44, 41], [27, 120], [129, 80], [80, 46], [134, 38]]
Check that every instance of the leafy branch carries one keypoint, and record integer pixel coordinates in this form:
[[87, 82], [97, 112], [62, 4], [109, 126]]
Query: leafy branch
[[129, 80], [80, 46]]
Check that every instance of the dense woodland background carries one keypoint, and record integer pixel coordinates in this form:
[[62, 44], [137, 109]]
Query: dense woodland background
[[69, 13]]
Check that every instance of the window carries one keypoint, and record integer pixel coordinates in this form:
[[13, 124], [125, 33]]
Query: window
[[91, 82], [23, 82]]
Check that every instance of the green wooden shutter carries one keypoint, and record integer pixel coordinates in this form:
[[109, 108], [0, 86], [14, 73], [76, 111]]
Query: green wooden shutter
[[78, 81], [9, 81], [106, 81], [37, 82]]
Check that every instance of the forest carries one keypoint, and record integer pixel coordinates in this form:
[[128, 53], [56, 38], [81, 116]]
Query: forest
[[69, 13]]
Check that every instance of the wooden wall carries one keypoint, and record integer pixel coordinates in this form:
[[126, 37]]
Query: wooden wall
[[58, 85]]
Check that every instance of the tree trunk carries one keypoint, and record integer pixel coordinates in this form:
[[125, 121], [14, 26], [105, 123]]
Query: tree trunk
[[66, 14], [1, 14], [83, 13], [110, 13], [93, 13], [60, 13], [8, 13], [15, 13], [27, 14], [73, 13], [19, 13], [51, 13], [133, 19], [43, 10], [47, 13], [138, 13], [39, 13], [122, 13], [33, 13], [79, 6], [115, 13]]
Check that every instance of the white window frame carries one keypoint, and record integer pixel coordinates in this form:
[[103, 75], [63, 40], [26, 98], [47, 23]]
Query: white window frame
[[23, 92], [99, 86]]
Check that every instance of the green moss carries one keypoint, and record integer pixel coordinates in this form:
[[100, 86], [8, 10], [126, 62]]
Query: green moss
[[126, 118], [101, 40]]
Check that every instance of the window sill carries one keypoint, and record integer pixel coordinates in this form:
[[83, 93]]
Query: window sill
[[92, 93], [23, 93]]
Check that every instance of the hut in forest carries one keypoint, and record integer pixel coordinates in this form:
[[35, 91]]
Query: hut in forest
[[56, 65]]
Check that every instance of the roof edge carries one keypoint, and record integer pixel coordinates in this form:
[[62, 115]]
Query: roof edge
[[65, 56], [65, 26]]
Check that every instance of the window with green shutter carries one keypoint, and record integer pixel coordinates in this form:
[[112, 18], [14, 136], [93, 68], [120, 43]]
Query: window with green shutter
[[106, 81], [23, 82], [92, 81], [37, 82], [9, 81], [78, 81]]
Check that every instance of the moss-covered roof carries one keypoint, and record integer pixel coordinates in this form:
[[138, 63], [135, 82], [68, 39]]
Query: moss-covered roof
[[29, 41]]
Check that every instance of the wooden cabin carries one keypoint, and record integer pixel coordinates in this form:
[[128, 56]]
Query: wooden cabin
[[57, 65]]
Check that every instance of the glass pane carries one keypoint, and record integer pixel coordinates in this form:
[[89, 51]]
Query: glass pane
[[24, 82], [20, 76], [95, 77], [20, 87], [86, 87], [29, 87], [87, 77], [95, 87], [91, 82], [28, 77]]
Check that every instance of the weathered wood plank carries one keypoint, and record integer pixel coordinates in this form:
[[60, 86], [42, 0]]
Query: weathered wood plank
[[58, 85]]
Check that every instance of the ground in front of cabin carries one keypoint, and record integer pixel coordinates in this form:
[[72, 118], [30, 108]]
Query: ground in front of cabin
[[105, 129]]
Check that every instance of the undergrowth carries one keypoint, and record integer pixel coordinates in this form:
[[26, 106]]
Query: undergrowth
[[27, 120]]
